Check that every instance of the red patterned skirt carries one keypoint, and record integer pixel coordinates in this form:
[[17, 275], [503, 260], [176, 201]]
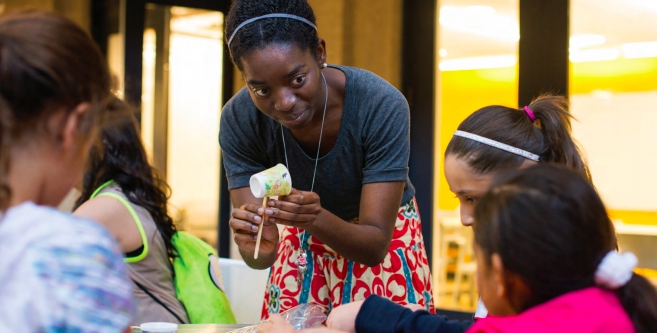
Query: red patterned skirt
[[331, 280]]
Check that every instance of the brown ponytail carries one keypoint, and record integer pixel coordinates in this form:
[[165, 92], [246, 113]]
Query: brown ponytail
[[47, 64], [549, 136], [553, 118]]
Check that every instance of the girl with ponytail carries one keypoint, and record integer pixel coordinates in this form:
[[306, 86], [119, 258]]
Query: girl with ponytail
[[497, 138]]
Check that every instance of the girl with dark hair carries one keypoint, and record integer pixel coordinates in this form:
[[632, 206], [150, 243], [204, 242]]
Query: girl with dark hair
[[344, 135], [497, 139], [58, 273], [546, 259], [123, 192]]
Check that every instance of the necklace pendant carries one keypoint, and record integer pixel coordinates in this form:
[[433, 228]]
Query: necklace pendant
[[302, 267]]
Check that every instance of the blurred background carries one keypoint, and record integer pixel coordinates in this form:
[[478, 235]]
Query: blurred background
[[448, 57]]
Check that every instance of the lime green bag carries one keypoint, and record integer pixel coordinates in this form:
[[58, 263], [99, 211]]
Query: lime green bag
[[197, 275], [198, 281]]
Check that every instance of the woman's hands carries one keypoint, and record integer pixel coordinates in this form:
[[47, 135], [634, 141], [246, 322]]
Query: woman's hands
[[298, 209], [245, 222], [365, 242]]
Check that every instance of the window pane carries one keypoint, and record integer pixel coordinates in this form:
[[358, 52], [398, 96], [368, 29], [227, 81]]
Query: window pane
[[477, 62], [477, 66], [613, 51], [195, 62], [182, 76]]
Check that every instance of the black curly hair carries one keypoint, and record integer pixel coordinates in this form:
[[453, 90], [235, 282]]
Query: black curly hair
[[276, 30], [120, 156]]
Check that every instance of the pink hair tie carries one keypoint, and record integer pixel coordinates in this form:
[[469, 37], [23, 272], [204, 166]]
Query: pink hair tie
[[530, 114]]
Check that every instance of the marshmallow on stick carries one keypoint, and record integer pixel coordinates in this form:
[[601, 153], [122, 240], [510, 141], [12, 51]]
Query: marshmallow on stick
[[269, 183]]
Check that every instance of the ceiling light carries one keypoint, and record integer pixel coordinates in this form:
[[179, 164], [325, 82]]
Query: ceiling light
[[480, 20], [585, 40], [462, 64], [594, 55], [639, 50], [643, 4]]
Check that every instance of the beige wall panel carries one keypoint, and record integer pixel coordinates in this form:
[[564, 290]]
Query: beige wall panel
[[331, 27], [30, 4], [76, 10], [375, 42]]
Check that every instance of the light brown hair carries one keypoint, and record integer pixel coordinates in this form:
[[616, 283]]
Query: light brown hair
[[47, 64]]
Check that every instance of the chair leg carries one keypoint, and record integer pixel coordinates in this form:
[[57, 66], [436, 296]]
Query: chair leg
[[458, 276], [442, 265]]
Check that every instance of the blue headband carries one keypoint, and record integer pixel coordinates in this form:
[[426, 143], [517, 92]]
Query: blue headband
[[294, 17]]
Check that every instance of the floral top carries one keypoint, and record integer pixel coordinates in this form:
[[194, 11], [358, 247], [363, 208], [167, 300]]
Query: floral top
[[60, 273]]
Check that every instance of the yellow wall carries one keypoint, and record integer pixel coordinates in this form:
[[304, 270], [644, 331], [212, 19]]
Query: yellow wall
[[462, 93], [620, 75]]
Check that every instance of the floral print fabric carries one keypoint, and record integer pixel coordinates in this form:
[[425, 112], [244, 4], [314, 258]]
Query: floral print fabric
[[331, 280]]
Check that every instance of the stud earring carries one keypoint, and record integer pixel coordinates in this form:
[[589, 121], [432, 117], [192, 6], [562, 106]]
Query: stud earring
[[324, 65]]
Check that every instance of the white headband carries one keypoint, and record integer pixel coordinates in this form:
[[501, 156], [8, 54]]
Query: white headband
[[615, 269], [498, 145], [294, 17]]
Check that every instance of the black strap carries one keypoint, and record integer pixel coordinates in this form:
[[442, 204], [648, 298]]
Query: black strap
[[135, 253], [158, 301]]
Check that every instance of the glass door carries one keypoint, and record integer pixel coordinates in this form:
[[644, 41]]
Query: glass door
[[168, 57], [614, 98], [477, 65], [181, 105]]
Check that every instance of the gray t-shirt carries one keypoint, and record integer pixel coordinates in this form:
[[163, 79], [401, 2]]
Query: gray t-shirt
[[373, 144]]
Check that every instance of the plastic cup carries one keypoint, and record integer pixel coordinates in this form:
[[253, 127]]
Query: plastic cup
[[159, 328], [271, 182]]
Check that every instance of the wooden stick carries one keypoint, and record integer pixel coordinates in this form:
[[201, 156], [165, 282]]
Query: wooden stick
[[264, 219]]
